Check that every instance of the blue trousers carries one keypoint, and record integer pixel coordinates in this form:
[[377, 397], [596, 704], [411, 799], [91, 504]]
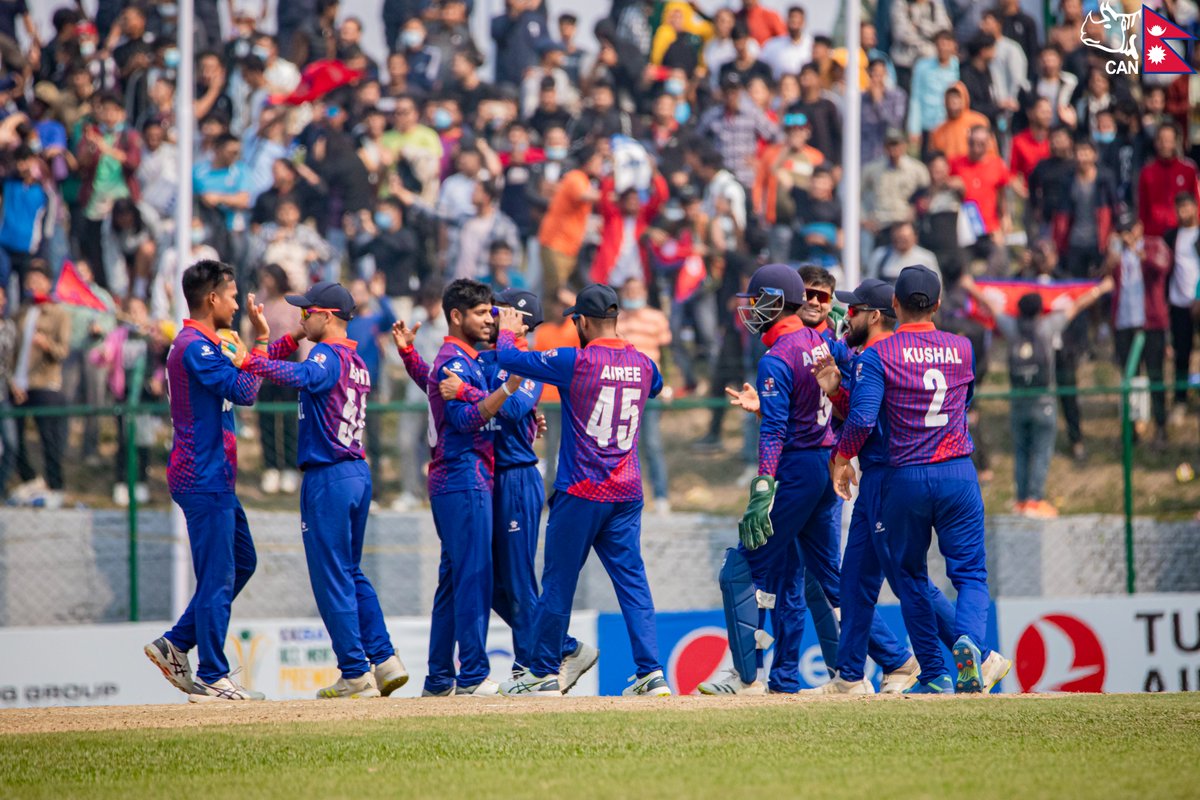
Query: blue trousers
[[517, 520], [577, 526], [334, 503], [223, 559], [916, 500], [463, 600]]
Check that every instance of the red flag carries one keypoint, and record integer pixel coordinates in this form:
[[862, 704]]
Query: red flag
[[1054, 296], [72, 290], [318, 79], [1157, 56]]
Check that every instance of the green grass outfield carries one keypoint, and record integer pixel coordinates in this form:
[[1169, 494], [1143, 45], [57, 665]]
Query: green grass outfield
[[997, 747]]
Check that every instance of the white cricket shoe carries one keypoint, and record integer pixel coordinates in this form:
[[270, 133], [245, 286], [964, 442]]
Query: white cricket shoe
[[172, 661], [995, 667], [485, 688], [840, 686], [221, 689], [353, 688], [270, 481], [390, 675], [904, 678], [652, 685], [731, 685], [530, 685], [575, 665]]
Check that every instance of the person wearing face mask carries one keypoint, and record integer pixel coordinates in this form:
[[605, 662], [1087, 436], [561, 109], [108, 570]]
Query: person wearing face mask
[[282, 75], [170, 266], [385, 239], [109, 156], [665, 133], [422, 60]]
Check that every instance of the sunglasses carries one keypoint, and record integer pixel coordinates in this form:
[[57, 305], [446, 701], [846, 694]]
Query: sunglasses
[[820, 295], [305, 313]]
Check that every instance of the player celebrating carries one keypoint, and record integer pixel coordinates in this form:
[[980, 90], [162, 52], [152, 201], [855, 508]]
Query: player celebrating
[[598, 488], [335, 497], [203, 387], [922, 380], [783, 532]]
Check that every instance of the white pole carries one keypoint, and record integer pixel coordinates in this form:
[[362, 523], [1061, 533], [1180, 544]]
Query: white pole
[[852, 149], [185, 127]]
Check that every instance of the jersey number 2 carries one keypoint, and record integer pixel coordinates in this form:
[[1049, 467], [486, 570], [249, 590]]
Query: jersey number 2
[[600, 423], [935, 382], [354, 419]]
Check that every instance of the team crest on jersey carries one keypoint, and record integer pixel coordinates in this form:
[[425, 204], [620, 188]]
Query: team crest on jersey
[[502, 375], [769, 386], [319, 358], [550, 354], [528, 386], [858, 370]]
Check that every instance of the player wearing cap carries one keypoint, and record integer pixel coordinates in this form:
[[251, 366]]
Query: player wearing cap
[[920, 381], [203, 386], [461, 437], [789, 517], [518, 492], [335, 496], [598, 488]]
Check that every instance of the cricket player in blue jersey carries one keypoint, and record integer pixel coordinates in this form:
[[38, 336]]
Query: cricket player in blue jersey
[[920, 381], [789, 519], [598, 501], [203, 387], [518, 492], [335, 496]]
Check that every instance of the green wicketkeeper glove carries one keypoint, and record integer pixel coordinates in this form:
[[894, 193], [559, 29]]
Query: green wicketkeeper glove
[[755, 526]]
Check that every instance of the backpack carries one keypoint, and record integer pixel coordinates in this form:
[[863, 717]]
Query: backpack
[[1029, 357]]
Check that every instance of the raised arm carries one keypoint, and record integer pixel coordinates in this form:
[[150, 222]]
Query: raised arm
[[318, 373]]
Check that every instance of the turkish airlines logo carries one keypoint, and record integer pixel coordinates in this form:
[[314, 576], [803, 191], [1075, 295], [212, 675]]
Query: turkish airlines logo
[[696, 658], [1060, 653]]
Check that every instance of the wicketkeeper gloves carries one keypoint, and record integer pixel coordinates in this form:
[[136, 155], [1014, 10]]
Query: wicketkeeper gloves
[[755, 526]]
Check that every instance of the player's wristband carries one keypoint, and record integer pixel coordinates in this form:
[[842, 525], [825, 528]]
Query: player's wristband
[[507, 391]]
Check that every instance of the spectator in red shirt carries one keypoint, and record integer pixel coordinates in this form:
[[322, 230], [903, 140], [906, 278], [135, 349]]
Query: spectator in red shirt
[[1162, 179], [984, 176], [1031, 145], [763, 23]]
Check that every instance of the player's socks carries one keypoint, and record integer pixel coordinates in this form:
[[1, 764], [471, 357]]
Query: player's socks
[[390, 675], [221, 689], [652, 685], [731, 685], [172, 661], [841, 686], [969, 665], [485, 688], [530, 685], [939, 685], [995, 667], [899, 680], [576, 664], [350, 688]]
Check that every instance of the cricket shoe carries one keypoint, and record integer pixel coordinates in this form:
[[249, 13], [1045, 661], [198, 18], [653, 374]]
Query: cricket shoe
[[652, 685], [969, 665], [485, 688], [899, 680], [221, 689], [939, 685], [731, 685], [841, 686], [575, 665], [995, 667], [350, 688], [172, 661], [390, 674], [530, 685], [444, 693]]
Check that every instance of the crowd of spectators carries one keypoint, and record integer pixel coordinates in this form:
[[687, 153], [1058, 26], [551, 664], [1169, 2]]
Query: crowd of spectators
[[668, 154]]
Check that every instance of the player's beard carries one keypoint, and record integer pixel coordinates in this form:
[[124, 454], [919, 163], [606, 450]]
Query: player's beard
[[857, 337]]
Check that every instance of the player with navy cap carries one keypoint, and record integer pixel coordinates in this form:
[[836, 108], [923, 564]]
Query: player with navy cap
[[203, 387], [920, 381], [790, 513], [597, 502], [335, 495]]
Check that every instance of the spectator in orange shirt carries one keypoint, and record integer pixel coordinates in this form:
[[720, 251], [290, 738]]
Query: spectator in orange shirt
[[984, 176], [648, 330], [763, 23], [565, 222], [951, 136]]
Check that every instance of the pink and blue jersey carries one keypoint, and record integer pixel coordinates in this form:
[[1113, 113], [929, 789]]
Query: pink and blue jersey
[[334, 384], [795, 412], [460, 440], [874, 451], [517, 418], [604, 388], [203, 386], [923, 380]]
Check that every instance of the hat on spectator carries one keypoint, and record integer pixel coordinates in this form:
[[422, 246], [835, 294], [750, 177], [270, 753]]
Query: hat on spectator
[[796, 119], [596, 301], [548, 45], [1126, 219], [326, 296], [872, 293], [918, 286], [894, 136], [526, 302]]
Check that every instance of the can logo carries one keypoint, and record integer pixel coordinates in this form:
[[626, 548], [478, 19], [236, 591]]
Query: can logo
[[696, 658], [1059, 653]]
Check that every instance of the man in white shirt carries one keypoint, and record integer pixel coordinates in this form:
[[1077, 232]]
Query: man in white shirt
[[786, 54], [886, 262], [1183, 285], [282, 75]]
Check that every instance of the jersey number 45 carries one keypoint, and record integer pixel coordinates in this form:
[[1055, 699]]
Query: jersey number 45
[[600, 423]]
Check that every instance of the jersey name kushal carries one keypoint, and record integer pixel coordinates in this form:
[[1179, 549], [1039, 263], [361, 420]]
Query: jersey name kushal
[[931, 355]]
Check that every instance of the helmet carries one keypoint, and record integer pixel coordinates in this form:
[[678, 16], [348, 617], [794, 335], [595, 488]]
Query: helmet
[[771, 289]]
